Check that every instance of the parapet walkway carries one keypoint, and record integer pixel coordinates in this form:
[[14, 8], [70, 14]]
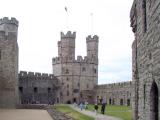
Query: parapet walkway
[[93, 114], [24, 114]]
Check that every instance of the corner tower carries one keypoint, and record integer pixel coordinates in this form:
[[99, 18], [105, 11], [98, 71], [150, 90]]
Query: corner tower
[[8, 62]]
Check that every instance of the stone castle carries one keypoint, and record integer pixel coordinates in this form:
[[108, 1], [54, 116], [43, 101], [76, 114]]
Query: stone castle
[[145, 22], [73, 79], [75, 75]]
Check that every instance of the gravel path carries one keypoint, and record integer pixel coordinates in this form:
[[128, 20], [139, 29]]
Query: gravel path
[[93, 114], [24, 114]]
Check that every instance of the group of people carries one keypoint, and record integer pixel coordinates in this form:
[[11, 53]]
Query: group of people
[[102, 107], [82, 105]]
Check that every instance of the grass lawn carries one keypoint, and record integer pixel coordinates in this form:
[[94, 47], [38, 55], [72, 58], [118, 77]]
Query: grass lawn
[[123, 112], [72, 113]]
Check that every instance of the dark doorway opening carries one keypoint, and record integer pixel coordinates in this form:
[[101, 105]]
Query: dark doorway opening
[[128, 102], [154, 102], [74, 100], [121, 101]]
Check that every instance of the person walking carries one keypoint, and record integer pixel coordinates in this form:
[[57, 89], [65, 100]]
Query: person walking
[[103, 105], [96, 108], [81, 106]]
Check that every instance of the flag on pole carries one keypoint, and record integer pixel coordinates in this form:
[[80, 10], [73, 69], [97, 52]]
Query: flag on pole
[[65, 8]]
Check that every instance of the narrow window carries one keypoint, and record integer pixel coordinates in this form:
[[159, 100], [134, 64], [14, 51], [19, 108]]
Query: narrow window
[[35, 89], [67, 71], [87, 86], [67, 86], [83, 69], [67, 78], [144, 92], [144, 16], [0, 54], [21, 89], [78, 85], [49, 90], [67, 93]]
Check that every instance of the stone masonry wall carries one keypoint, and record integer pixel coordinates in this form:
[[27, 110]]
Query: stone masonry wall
[[115, 94], [145, 21], [37, 88]]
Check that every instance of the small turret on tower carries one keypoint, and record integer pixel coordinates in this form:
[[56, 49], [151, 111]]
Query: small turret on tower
[[92, 47]]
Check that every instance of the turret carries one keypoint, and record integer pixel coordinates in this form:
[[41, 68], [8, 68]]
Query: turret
[[92, 47], [66, 47]]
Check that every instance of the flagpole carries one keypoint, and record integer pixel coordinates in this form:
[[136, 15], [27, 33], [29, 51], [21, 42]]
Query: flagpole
[[67, 18], [92, 27]]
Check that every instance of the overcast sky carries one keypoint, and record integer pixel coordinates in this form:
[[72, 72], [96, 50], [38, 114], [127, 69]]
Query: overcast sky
[[41, 21]]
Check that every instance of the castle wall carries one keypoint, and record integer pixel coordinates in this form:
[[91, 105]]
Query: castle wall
[[8, 63], [37, 88], [115, 94], [145, 22]]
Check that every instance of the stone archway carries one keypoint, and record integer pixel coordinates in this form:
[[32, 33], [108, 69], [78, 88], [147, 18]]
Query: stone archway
[[154, 102]]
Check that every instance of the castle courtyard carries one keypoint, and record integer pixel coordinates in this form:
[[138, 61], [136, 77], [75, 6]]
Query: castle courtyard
[[24, 114]]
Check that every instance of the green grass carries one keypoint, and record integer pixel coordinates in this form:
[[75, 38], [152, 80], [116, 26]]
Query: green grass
[[72, 113], [123, 112]]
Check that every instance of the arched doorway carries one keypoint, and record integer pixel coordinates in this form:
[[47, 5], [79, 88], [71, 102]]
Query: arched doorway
[[154, 102]]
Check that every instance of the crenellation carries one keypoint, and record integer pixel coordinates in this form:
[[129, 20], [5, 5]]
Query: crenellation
[[69, 34], [6, 20], [90, 38], [36, 75], [120, 93]]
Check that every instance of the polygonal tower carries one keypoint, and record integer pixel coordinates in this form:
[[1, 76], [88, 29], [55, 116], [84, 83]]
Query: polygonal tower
[[8, 63]]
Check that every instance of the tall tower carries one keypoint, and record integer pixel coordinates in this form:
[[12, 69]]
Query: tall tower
[[92, 48], [92, 55], [8, 63], [66, 47]]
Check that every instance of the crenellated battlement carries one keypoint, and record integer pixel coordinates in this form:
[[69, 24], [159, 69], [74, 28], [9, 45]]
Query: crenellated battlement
[[115, 85], [90, 38], [36, 75], [6, 20], [56, 60], [69, 34], [85, 59]]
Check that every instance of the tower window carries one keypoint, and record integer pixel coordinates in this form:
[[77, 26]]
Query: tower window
[[78, 85], [87, 86], [67, 93], [83, 69], [67, 86], [144, 16], [49, 90], [95, 71], [0, 54], [21, 89], [67, 78], [67, 71], [35, 89]]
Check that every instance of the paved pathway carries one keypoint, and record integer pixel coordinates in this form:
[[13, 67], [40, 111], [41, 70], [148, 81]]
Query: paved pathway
[[24, 114], [93, 114]]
